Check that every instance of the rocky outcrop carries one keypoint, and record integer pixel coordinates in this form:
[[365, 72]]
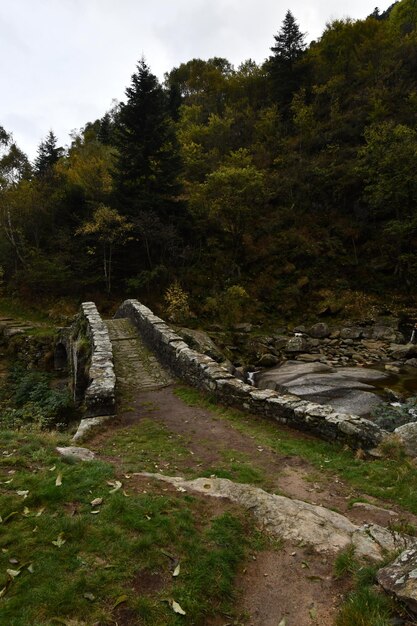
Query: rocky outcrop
[[298, 521], [347, 389], [201, 371], [408, 436], [400, 578]]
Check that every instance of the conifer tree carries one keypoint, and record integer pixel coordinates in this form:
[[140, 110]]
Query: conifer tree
[[147, 164], [284, 71], [48, 154]]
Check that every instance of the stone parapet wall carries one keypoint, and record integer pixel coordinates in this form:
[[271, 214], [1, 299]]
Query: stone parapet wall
[[100, 393], [204, 373]]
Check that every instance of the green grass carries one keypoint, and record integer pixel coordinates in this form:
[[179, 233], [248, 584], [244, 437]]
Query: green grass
[[393, 480], [97, 569]]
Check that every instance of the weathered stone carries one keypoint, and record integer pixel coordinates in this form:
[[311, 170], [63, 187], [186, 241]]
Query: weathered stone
[[319, 331], [366, 506], [408, 435], [268, 360], [79, 454], [400, 578], [199, 340], [90, 425], [411, 362], [244, 327], [294, 520], [296, 344], [400, 351], [351, 332]]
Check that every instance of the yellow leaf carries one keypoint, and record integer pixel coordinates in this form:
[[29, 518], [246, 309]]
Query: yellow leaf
[[59, 541], [120, 600], [58, 481], [13, 572], [176, 570], [177, 609]]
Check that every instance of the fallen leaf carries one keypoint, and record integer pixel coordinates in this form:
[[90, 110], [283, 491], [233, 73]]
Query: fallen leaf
[[30, 568], [120, 600], [176, 570], [13, 561], [126, 494], [283, 622], [26, 511], [95, 512], [58, 481], [59, 541], [13, 572], [39, 513], [3, 591], [177, 609], [89, 596], [96, 502], [304, 565], [181, 489], [23, 492], [51, 469], [116, 484]]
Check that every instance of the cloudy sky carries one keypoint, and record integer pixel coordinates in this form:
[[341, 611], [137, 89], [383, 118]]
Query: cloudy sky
[[64, 61]]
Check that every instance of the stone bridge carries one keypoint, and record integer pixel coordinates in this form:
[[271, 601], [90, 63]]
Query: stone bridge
[[138, 351]]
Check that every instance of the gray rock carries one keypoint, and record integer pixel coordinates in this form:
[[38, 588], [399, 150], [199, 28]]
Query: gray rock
[[200, 341], [411, 362], [296, 344], [400, 578], [346, 389], [319, 331], [294, 520], [89, 426], [268, 360], [73, 452], [365, 506], [351, 332], [408, 435], [401, 351], [243, 328]]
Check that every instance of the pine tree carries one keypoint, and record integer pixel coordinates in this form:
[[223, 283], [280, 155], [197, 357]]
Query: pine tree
[[148, 164], [48, 154], [284, 69]]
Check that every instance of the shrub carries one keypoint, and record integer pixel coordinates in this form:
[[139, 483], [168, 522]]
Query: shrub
[[178, 308]]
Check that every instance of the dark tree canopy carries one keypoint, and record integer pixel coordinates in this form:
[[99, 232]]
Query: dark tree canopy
[[283, 65], [49, 153], [147, 165]]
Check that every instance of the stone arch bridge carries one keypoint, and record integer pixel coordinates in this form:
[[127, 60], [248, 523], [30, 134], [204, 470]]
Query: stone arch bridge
[[136, 350]]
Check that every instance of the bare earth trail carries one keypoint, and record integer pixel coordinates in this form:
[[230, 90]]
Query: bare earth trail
[[293, 583]]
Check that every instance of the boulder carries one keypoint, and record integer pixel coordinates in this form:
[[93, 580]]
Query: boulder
[[411, 362], [296, 344], [408, 435], [351, 332], [403, 351], [319, 331], [400, 578], [76, 453], [268, 360], [200, 341]]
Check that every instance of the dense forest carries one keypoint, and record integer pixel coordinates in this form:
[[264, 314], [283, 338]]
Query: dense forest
[[265, 185]]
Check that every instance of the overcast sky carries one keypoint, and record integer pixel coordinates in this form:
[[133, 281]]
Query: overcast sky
[[64, 61]]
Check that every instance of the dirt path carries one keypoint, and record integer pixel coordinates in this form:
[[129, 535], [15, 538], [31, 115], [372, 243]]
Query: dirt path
[[292, 584]]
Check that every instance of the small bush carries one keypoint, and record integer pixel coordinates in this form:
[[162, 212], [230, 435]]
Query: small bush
[[178, 308], [27, 399]]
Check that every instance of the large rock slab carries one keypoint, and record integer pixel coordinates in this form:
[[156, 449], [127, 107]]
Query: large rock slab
[[298, 521], [400, 578], [76, 453], [200, 341], [347, 389]]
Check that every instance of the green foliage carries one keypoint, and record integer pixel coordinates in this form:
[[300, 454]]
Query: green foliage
[[230, 306], [28, 400]]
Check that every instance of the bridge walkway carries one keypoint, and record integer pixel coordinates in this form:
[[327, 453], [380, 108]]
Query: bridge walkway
[[136, 368]]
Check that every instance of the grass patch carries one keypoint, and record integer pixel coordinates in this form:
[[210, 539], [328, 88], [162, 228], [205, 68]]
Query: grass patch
[[393, 479], [116, 565], [146, 446]]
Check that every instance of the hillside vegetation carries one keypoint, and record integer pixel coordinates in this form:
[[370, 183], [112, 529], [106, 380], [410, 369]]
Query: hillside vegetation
[[255, 186]]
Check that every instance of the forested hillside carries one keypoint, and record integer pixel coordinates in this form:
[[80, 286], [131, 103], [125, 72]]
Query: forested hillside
[[263, 184]]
